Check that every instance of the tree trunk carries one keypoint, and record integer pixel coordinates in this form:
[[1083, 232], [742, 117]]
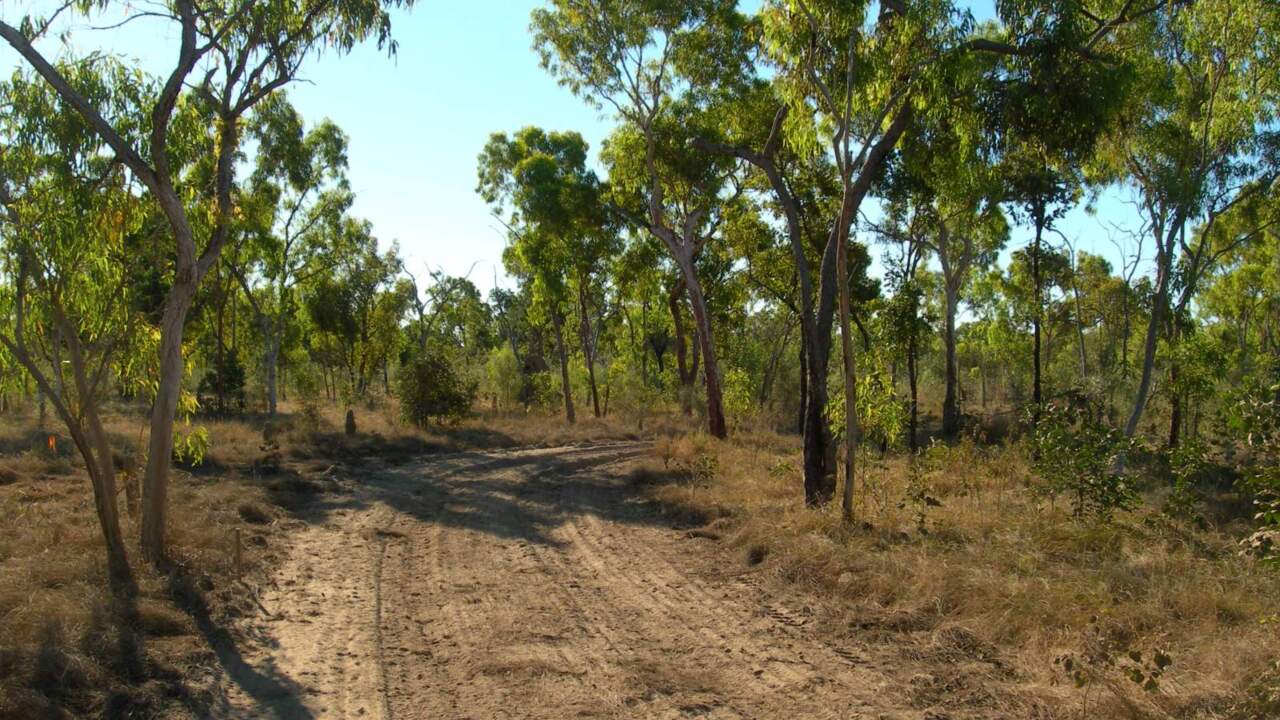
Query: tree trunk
[[804, 382], [270, 361], [819, 445], [913, 382], [850, 376], [710, 369], [1037, 394], [103, 476], [1175, 408], [557, 322], [588, 352], [155, 479], [950, 403], [1149, 346], [1084, 356], [687, 374]]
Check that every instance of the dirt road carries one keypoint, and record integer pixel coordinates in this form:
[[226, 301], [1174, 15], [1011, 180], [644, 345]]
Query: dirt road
[[532, 584]]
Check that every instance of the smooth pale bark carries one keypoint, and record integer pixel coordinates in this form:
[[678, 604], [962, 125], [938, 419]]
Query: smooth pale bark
[[1075, 292], [155, 478], [850, 375], [1151, 340]]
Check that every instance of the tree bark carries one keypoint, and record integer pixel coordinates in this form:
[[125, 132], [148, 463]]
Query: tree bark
[[1037, 393], [686, 372], [557, 322], [1150, 342], [850, 376], [950, 402], [155, 479], [710, 369], [588, 350]]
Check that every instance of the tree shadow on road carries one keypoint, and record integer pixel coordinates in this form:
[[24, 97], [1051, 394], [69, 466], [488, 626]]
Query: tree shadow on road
[[276, 694], [514, 495]]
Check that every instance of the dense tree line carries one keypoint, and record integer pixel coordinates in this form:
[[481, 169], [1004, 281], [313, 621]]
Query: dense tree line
[[817, 179]]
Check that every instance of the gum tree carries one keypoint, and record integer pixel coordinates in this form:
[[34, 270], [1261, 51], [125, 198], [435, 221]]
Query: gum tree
[[68, 213], [296, 201], [1199, 146], [643, 59], [231, 55], [561, 235]]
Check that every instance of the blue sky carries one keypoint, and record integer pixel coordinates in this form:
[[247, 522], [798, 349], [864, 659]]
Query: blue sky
[[417, 122]]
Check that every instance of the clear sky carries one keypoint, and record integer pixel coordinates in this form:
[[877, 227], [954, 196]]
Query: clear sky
[[417, 122]]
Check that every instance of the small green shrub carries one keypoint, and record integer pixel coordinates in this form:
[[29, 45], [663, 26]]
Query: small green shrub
[[1076, 454], [1254, 417], [430, 388]]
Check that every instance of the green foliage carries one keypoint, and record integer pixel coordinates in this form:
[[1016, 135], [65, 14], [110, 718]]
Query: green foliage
[[502, 378], [224, 381], [739, 395], [1254, 417], [1188, 462], [882, 415], [1107, 658], [1076, 454], [430, 388], [191, 445]]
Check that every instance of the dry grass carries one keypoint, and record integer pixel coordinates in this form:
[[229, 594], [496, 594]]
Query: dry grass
[[61, 651], [994, 570], [64, 650]]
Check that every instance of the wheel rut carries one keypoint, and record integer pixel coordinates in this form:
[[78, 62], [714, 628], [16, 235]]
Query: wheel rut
[[532, 584]]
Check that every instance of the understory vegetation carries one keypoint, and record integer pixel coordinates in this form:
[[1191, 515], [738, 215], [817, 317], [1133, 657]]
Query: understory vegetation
[[963, 551]]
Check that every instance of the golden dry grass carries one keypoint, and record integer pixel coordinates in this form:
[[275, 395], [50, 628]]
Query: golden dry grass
[[999, 567], [59, 645]]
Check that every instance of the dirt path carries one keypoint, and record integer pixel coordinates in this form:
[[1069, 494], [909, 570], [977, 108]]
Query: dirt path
[[532, 584]]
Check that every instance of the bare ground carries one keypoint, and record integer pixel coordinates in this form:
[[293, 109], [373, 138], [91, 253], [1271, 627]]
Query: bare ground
[[535, 584]]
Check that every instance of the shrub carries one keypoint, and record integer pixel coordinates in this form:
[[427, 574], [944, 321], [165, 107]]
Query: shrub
[[222, 387], [1254, 417], [430, 388], [1077, 454], [503, 380]]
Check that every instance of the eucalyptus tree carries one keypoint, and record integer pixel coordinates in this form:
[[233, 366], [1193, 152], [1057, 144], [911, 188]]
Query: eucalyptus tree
[[861, 80], [242, 51], [297, 197], [67, 211], [1199, 145], [562, 236], [358, 308], [651, 63], [947, 184]]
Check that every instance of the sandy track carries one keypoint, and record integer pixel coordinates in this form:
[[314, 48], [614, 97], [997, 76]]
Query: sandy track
[[532, 584]]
